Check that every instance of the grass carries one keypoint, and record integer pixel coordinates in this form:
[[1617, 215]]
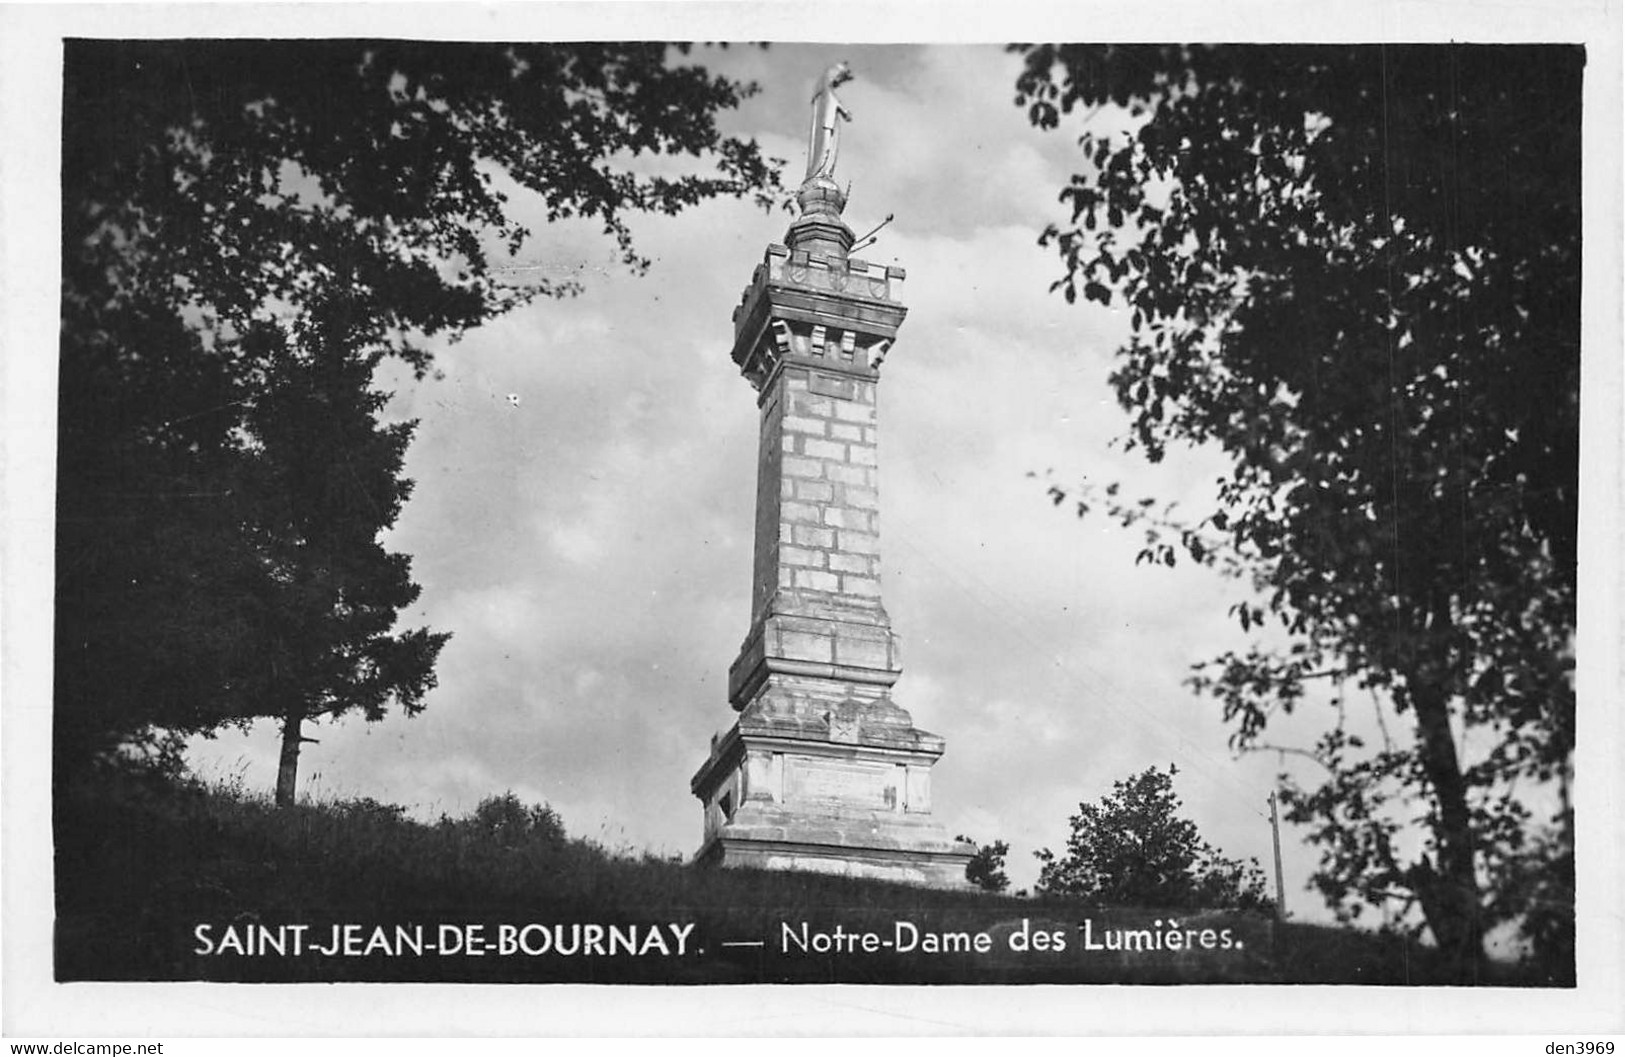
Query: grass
[[142, 861]]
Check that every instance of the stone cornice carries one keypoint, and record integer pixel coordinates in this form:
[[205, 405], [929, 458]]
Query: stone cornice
[[727, 750], [836, 313]]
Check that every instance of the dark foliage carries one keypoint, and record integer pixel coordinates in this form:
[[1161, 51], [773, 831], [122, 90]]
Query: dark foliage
[[508, 820], [986, 868], [250, 229], [144, 861], [1134, 849], [1356, 270]]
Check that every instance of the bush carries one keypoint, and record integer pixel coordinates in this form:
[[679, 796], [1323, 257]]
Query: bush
[[511, 821], [986, 868]]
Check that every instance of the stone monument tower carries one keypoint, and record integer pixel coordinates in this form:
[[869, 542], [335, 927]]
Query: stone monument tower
[[823, 770]]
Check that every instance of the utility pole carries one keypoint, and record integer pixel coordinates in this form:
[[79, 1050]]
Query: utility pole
[[1275, 833]]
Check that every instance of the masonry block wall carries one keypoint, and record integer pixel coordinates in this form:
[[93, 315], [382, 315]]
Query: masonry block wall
[[829, 489], [818, 499]]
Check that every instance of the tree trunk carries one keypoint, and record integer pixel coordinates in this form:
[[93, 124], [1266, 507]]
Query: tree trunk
[[1449, 895], [287, 772]]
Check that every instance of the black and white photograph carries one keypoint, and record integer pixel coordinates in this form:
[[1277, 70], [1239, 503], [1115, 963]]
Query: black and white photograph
[[775, 520]]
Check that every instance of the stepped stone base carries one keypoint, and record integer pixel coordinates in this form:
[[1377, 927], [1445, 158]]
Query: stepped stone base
[[848, 792], [927, 868]]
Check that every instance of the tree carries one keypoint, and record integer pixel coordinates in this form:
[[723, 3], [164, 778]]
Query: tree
[[249, 230], [1134, 849], [326, 475], [986, 868], [1356, 271]]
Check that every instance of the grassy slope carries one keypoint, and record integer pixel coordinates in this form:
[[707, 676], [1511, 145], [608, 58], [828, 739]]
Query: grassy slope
[[139, 864]]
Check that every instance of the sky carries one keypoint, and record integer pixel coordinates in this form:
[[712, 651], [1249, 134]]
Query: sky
[[588, 542], [585, 474]]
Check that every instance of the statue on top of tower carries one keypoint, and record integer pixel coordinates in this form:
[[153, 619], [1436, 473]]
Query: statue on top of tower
[[824, 139]]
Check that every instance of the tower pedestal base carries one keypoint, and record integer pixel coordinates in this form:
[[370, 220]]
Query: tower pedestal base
[[787, 795]]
